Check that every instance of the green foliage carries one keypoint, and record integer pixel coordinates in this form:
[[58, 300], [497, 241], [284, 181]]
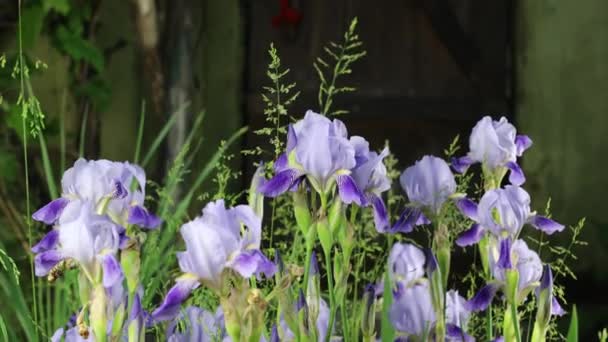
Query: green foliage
[[573, 329], [277, 97], [342, 55]]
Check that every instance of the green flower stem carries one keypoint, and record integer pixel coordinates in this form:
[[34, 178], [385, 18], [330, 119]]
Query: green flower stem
[[332, 299], [98, 317]]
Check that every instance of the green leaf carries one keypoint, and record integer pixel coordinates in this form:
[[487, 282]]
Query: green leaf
[[98, 91], [573, 330], [33, 17], [79, 48], [59, 6]]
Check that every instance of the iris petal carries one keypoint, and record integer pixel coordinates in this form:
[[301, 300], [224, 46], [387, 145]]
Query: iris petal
[[140, 216], [516, 177], [348, 190], [545, 224], [280, 183], [51, 211], [471, 236], [176, 295], [482, 299]]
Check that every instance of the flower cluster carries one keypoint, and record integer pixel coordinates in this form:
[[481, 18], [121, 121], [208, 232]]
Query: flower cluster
[[94, 220], [330, 177]]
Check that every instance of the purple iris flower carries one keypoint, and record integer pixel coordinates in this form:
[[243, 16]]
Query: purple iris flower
[[107, 185], [428, 184], [525, 260], [503, 212], [197, 325], [89, 239], [318, 149], [406, 263], [222, 238], [496, 145], [515, 256], [371, 178], [412, 310]]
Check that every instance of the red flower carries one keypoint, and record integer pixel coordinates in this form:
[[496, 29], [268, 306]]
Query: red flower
[[288, 16]]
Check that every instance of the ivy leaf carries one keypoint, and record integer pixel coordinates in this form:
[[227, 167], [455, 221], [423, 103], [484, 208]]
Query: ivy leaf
[[79, 48], [59, 6]]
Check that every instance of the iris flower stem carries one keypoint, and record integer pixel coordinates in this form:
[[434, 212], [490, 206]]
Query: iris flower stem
[[332, 299], [345, 327], [489, 331], [307, 265]]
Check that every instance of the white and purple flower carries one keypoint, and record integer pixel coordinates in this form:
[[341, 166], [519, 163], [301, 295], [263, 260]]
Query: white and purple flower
[[318, 149], [428, 184], [107, 185], [496, 145], [516, 256], [89, 239], [503, 213], [221, 239], [371, 179]]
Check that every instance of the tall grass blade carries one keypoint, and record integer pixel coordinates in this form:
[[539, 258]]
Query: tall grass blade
[[140, 131], [48, 170], [161, 136]]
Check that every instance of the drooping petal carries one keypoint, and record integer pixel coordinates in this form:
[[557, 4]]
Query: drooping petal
[[407, 220], [281, 163], [468, 208], [253, 262], [57, 335], [545, 224], [45, 261], [380, 213], [348, 190], [280, 183], [49, 241], [274, 334], [140, 216], [176, 295], [112, 272], [483, 298], [422, 220], [522, 143], [461, 165], [516, 177], [556, 309], [456, 334], [470, 236], [504, 258], [51, 211]]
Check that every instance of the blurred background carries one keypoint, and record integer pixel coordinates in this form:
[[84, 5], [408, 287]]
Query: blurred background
[[432, 69]]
